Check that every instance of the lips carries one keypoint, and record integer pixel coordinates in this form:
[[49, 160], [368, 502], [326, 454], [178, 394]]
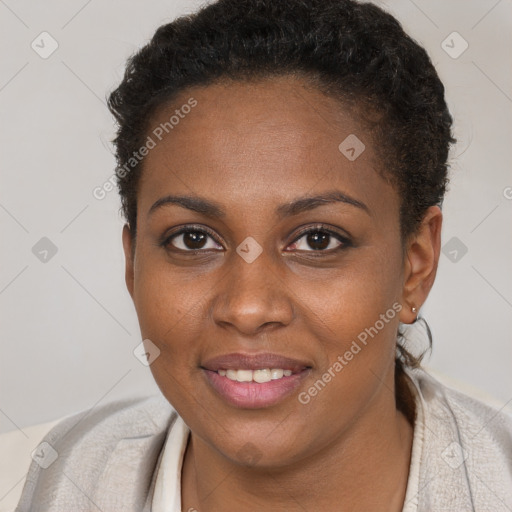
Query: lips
[[254, 362], [253, 381]]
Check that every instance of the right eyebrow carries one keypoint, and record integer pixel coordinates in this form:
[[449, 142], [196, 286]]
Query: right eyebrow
[[197, 204]]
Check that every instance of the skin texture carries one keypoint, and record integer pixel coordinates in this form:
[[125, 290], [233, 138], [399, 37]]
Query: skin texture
[[250, 148]]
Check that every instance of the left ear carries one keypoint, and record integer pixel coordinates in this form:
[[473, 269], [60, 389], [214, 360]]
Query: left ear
[[421, 260]]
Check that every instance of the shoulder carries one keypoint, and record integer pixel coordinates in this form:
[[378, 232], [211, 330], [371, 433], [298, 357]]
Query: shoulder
[[466, 448], [98, 454], [472, 415]]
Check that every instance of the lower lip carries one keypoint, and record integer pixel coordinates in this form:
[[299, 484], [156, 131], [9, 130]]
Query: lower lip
[[254, 395]]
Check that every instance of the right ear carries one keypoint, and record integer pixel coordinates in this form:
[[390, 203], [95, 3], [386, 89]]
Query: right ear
[[129, 257]]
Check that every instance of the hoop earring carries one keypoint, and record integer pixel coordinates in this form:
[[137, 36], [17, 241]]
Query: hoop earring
[[429, 332]]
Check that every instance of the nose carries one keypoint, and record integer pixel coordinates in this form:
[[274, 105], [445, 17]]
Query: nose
[[253, 297]]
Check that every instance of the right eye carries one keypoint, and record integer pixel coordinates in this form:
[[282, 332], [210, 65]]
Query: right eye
[[190, 239]]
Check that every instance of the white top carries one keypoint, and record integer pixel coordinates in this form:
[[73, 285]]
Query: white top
[[167, 497]]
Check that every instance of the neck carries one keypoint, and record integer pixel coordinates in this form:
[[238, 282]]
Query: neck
[[366, 468]]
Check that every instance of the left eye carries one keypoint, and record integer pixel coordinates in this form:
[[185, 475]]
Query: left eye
[[319, 240]]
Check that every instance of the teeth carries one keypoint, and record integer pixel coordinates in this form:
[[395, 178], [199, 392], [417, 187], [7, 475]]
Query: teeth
[[260, 376], [244, 375], [276, 373]]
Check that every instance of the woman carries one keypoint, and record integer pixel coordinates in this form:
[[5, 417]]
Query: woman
[[281, 167]]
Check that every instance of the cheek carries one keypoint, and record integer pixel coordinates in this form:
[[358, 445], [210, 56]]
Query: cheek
[[169, 312], [357, 316], [353, 296], [170, 309]]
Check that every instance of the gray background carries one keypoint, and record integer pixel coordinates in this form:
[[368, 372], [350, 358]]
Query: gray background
[[68, 327]]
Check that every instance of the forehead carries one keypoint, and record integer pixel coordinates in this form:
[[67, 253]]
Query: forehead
[[265, 141]]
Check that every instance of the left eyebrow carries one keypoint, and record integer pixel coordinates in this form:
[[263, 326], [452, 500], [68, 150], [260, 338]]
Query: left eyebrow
[[302, 204], [310, 202]]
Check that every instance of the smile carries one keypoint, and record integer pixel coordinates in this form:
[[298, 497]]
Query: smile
[[254, 381], [259, 376]]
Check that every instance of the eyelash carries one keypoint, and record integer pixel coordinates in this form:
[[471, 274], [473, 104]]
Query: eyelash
[[319, 228]]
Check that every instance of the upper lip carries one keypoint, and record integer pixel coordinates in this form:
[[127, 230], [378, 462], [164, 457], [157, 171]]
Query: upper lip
[[238, 361]]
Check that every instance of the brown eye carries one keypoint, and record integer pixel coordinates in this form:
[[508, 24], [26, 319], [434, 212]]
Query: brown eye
[[319, 240], [192, 240]]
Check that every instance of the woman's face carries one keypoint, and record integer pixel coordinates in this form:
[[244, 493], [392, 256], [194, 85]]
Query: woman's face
[[246, 288]]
